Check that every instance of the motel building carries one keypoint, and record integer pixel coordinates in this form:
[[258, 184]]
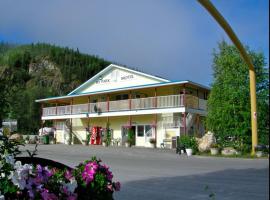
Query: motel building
[[123, 98]]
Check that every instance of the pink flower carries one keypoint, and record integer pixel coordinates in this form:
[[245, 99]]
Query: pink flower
[[110, 187], [68, 174], [89, 171]]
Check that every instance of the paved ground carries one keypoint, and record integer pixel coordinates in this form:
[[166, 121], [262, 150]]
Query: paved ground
[[161, 174]]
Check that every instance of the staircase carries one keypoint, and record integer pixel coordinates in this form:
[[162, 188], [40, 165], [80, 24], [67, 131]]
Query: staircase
[[68, 129]]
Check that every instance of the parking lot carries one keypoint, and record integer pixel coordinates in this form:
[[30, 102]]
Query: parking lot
[[162, 174]]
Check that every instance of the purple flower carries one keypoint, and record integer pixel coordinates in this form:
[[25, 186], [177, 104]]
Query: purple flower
[[43, 173], [117, 186], [109, 174], [48, 196], [72, 197]]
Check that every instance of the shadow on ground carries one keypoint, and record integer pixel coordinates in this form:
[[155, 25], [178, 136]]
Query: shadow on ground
[[251, 184]]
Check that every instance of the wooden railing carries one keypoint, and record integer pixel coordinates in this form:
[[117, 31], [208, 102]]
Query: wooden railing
[[171, 101]]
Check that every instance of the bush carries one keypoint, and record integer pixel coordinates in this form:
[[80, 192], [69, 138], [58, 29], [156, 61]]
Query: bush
[[189, 142], [131, 137]]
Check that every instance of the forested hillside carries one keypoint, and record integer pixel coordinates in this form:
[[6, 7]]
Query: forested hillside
[[30, 72]]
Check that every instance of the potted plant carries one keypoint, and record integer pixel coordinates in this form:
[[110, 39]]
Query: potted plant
[[259, 150], [131, 137], [104, 140], [27, 139], [214, 149], [87, 139], [153, 142], [189, 143]]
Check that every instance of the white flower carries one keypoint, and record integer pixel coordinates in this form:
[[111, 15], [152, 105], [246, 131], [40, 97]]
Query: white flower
[[3, 175], [17, 164], [2, 197], [21, 174], [71, 186], [1, 164], [10, 159]]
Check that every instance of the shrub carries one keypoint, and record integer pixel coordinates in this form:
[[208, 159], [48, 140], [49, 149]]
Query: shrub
[[131, 137], [152, 140], [189, 142]]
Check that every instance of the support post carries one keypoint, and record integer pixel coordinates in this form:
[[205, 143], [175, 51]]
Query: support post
[[156, 129], [108, 103], [185, 123], [56, 108], [129, 100], [155, 98], [88, 100], [184, 96], [71, 106]]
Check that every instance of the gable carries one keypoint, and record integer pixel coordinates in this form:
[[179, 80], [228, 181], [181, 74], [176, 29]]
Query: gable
[[114, 77]]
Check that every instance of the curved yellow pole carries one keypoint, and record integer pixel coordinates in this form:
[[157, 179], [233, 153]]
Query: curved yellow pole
[[224, 24]]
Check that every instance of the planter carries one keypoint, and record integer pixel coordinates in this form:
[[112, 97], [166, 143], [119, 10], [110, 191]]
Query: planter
[[42, 161], [214, 151], [46, 139], [127, 144], [259, 154], [189, 152], [152, 145]]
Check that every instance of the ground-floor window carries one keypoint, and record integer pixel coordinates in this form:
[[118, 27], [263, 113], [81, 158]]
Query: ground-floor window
[[59, 125], [144, 130], [140, 131]]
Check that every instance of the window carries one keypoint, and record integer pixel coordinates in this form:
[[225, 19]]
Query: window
[[148, 131], [59, 125], [121, 97], [140, 131]]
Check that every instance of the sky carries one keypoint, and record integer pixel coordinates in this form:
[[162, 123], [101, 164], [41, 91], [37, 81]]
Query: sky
[[173, 39]]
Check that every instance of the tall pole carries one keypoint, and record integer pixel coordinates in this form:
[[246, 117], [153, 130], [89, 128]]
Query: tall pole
[[252, 82]]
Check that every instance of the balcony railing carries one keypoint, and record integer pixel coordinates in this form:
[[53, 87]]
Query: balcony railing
[[172, 101]]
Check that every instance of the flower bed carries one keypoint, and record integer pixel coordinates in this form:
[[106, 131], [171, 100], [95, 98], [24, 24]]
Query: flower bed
[[30, 178]]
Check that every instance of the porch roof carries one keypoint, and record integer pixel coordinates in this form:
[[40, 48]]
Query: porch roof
[[125, 88]]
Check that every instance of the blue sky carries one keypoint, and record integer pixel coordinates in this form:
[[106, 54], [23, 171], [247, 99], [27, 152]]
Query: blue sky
[[170, 38]]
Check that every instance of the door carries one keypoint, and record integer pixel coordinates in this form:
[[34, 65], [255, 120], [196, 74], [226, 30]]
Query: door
[[143, 135], [124, 133], [148, 135]]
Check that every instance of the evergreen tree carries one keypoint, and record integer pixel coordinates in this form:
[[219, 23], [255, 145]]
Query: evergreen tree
[[36, 71], [229, 101]]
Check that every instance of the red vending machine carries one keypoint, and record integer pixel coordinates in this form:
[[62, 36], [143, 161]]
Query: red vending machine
[[93, 135], [96, 135]]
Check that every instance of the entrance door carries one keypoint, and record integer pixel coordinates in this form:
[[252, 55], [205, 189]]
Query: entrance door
[[148, 135], [143, 135], [124, 132]]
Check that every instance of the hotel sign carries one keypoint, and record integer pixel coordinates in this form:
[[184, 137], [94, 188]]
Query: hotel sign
[[115, 77]]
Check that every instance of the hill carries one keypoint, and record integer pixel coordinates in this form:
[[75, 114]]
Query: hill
[[29, 72]]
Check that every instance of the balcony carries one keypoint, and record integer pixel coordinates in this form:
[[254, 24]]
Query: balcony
[[159, 102]]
